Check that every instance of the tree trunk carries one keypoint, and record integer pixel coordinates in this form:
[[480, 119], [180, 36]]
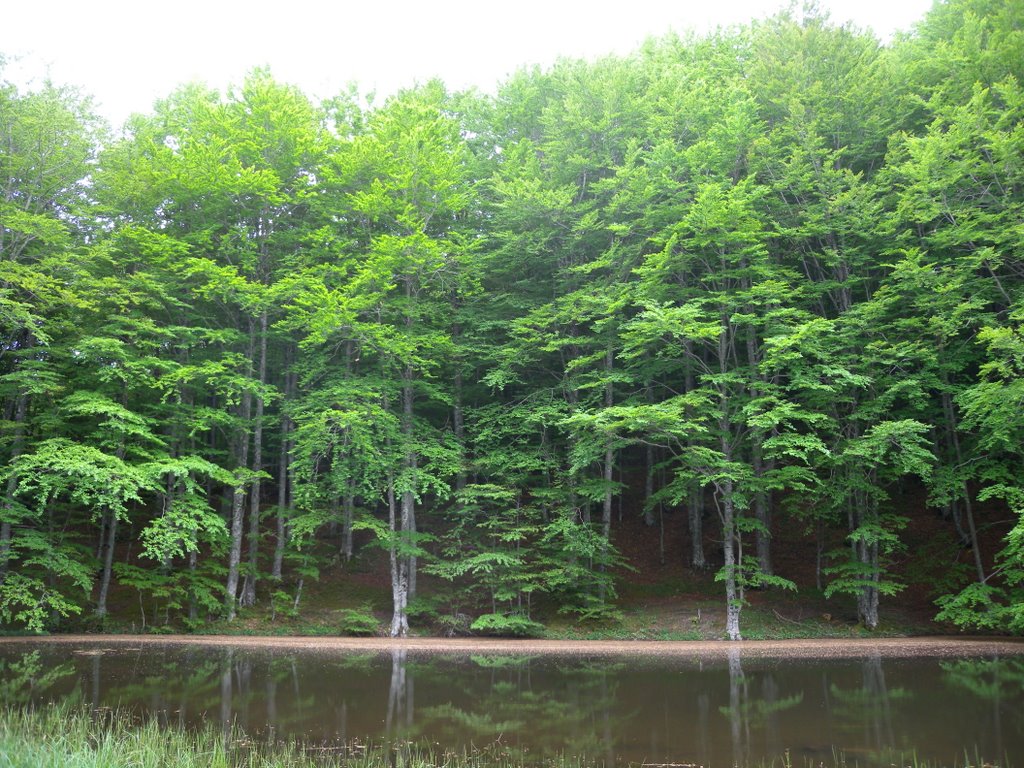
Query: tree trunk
[[282, 502], [193, 606], [349, 501], [411, 465], [695, 521], [17, 446], [108, 564], [695, 508], [609, 467], [649, 519], [108, 557], [952, 427], [867, 554], [730, 536], [249, 585], [238, 504], [399, 565], [284, 494], [458, 417], [762, 509], [732, 593]]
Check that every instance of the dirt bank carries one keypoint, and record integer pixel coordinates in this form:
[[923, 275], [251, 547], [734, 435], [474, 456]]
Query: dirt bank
[[852, 648]]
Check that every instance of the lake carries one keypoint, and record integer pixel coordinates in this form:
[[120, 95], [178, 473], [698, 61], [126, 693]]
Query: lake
[[734, 705]]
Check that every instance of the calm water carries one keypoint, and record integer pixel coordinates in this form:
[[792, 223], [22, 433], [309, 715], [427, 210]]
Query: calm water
[[662, 710]]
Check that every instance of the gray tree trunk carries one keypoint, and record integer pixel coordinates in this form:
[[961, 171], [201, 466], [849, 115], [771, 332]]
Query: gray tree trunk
[[952, 430], [249, 585], [609, 468], [238, 509], [399, 565], [399, 571], [17, 446], [762, 510], [108, 564], [695, 522], [284, 495], [408, 497]]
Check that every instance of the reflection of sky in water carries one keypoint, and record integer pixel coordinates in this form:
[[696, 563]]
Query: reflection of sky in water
[[715, 712]]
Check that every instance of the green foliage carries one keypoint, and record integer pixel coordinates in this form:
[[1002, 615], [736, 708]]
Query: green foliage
[[775, 271], [358, 621], [50, 579], [506, 625]]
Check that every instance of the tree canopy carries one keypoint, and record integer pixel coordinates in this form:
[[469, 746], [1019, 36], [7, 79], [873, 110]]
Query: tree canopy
[[768, 279]]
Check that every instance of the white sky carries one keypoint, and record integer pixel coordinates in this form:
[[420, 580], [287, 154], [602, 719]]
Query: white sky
[[129, 53]]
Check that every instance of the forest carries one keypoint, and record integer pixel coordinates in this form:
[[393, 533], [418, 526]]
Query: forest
[[766, 279]]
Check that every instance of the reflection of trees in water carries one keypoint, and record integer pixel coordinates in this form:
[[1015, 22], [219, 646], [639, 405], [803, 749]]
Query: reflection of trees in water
[[998, 681], [866, 712], [750, 713], [181, 686], [231, 687], [574, 712], [739, 727], [400, 696], [709, 713], [25, 679]]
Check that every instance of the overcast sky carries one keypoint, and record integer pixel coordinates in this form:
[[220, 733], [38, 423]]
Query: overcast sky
[[129, 53]]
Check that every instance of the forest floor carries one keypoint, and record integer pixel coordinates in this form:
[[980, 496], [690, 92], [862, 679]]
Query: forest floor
[[659, 598]]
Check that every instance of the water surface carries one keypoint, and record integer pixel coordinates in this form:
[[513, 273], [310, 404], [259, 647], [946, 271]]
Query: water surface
[[731, 708]]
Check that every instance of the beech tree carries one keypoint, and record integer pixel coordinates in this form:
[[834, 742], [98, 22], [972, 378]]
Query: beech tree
[[767, 280]]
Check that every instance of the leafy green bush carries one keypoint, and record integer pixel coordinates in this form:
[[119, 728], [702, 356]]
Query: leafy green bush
[[358, 621], [506, 625]]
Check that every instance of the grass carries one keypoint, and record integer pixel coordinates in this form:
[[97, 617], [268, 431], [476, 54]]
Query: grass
[[64, 736]]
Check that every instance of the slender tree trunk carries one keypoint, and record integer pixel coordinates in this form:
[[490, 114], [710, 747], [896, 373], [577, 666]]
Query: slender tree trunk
[[732, 595], [458, 417], [348, 505], [282, 503], [399, 570], [284, 491], [952, 429], [238, 503], [399, 565], [411, 465], [349, 501], [695, 521], [649, 519], [459, 427], [251, 577], [731, 539], [17, 446], [108, 555], [101, 537], [193, 606], [298, 593], [108, 563], [609, 468], [695, 507], [762, 509], [762, 502]]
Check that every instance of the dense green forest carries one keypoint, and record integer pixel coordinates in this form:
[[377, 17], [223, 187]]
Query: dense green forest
[[764, 279]]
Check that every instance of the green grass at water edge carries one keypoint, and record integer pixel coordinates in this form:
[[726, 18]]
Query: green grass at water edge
[[63, 736]]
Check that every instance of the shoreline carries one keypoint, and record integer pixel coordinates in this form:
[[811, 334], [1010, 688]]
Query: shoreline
[[826, 648]]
